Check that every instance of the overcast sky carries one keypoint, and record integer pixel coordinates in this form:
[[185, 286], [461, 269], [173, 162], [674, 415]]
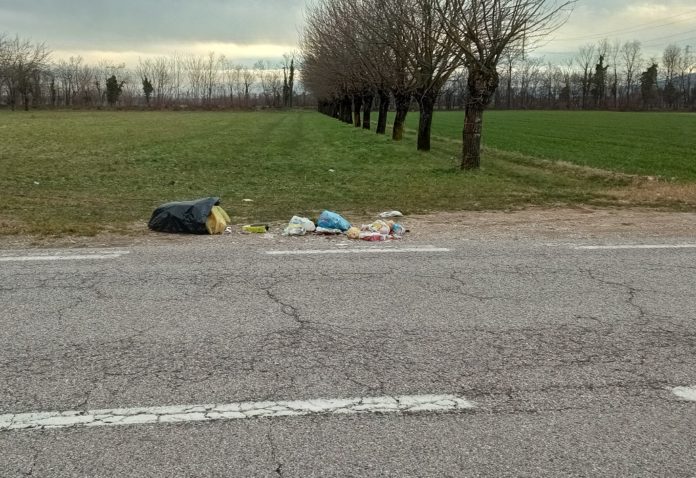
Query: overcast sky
[[244, 30]]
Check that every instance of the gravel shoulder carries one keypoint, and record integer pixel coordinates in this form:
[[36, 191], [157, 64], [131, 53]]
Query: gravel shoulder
[[532, 223]]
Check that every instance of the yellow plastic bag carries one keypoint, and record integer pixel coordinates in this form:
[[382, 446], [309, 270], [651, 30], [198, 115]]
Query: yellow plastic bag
[[217, 220]]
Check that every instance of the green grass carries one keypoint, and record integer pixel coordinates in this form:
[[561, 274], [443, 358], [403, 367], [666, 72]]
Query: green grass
[[106, 171], [651, 144]]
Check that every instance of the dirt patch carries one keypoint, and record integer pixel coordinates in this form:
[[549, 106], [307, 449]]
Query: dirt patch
[[532, 223], [555, 224]]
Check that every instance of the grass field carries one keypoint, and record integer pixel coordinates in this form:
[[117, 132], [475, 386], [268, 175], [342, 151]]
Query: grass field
[[651, 144], [87, 172]]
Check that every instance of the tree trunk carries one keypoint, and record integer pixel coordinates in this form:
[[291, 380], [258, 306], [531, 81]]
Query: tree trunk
[[346, 110], [426, 103], [357, 109], [473, 123], [481, 85], [402, 101], [509, 87], [367, 110], [383, 111]]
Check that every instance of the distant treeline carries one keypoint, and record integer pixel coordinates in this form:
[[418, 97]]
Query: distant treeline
[[29, 78], [606, 75]]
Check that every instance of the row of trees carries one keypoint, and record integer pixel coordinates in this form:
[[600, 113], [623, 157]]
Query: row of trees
[[29, 77], [471, 54], [353, 49]]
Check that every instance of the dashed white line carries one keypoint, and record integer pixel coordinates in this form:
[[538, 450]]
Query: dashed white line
[[362, 250], [685, 393], [64, 256], [636, 246], [231, 411]]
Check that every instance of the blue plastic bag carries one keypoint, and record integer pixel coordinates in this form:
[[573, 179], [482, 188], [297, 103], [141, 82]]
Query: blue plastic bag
[[332, 220]]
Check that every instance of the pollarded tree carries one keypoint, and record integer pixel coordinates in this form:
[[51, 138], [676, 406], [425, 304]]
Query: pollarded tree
[[332, 59], [483, 31], [415, 32], [432, 58]]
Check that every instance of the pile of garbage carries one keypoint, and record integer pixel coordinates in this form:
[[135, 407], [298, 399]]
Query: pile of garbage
[[201, 216], [330, 222], [206, 216]]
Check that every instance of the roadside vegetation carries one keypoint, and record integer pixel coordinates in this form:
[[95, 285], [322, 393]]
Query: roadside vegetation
[[89, 172]]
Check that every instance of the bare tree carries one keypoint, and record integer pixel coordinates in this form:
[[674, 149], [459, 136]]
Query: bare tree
[[233, 79], [430, 54], [21, 61], [196, 73], [248, 80], [613, 53], [687, 65], [288, 79], [83, 84], [510, 58], [332, 55], [529, 73], [211, 73], [630, 55], [585, 59], [483, 30], [671, 58], [264, 79]]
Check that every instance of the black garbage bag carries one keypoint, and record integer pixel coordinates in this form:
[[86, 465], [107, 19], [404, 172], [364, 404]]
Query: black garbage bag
[[183, 217]]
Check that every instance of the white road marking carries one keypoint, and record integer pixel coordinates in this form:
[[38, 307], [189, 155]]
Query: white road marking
[[362, 250], [686, 393], [637, 246], [232, 411], [64, 256]]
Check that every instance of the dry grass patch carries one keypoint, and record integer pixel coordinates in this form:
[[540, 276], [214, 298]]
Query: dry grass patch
[[654, 192]]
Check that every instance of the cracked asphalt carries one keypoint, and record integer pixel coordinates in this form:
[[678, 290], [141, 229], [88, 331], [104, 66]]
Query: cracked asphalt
[[569, 355]]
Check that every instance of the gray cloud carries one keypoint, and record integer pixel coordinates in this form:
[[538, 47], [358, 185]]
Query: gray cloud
[[151, 26], [132, 24]]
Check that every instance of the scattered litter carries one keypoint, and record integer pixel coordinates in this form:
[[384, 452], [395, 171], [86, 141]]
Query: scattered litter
[[332, 220], [332, 170], [373, 236], [354, 233], [398, 230], [377, 231], [328, 231], [255, 228], [229, 230], [387, 214], [294, 230], [299, 226], [247, 200], [378, 226], [200, 216], [217, 220], [37, 183]]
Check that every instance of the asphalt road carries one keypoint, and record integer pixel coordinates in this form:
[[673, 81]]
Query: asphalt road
[[570, 356]]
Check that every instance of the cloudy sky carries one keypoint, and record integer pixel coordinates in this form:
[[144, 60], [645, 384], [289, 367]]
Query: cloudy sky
[[245, 30]]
